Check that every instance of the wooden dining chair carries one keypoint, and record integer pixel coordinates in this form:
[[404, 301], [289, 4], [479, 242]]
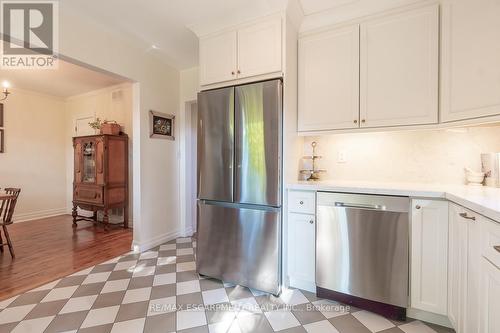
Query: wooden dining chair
[[7, 208]]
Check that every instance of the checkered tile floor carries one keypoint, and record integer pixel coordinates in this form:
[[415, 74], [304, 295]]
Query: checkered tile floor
[[159, 291]]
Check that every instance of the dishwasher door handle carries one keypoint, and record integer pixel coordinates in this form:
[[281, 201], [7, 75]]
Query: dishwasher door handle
[[360, 206]]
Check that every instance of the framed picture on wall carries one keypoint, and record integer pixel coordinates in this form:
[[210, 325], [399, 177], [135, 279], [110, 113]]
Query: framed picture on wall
[[1, 141], [1, 114], [161, 125]]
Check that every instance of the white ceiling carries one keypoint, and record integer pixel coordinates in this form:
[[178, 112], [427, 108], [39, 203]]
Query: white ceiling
[[68, 80], [169, 24], [172, 25]]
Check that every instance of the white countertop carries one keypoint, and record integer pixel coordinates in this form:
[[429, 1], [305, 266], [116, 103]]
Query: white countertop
[[481, 199]]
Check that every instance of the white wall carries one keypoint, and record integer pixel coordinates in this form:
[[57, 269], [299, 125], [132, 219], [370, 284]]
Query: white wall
[[34, 158], [427, 156], [155, 161], [105, 105]]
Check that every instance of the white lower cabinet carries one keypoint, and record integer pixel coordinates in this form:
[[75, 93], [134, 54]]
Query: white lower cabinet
[[457, 267], [429, 256], [464, 269], [454, 255], [489, 283], [302, 257], [489, 308], [301, 241]]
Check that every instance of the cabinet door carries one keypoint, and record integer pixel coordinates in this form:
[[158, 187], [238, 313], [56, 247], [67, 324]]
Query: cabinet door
[[490, 298], [218, 58], [78, 161], [100, 160], [259, 48], [329, 80], [301, 243], [473, 272], [89, 158], [457, 268], [399, 69], [429, 256], [470, 59]]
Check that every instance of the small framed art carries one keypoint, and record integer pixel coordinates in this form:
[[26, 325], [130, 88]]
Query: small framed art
[[161, 125]]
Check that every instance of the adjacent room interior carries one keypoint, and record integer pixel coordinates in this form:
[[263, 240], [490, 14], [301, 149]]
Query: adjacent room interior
[[43, 111]]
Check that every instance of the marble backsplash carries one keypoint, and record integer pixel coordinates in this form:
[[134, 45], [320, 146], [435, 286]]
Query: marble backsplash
[[424, 156]]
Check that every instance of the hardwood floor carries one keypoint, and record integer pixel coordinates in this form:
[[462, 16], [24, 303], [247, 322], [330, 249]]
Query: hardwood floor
[[49, 249]]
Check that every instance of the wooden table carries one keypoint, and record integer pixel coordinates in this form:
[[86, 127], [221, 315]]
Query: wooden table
[[5, 196]]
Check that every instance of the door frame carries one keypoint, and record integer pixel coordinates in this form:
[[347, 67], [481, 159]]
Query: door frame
[[185, 194]]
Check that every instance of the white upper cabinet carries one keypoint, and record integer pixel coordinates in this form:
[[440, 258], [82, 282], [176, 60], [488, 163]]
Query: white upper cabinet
[[380, 72], [429, 256], [251, 50], [329, 80], [218, 55], [399, 69], [470, 59], [259, 49]]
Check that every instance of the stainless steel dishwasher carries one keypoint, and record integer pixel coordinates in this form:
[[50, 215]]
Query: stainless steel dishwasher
[[362, 248]]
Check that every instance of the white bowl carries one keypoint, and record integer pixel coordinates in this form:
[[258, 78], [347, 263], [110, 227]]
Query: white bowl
[[475, 178]]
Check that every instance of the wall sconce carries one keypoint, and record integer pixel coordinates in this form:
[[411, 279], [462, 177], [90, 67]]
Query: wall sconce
[[6, 92]]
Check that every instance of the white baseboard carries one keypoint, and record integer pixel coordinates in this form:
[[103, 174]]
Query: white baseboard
[[39, 214], [155, 241], [429, 317]]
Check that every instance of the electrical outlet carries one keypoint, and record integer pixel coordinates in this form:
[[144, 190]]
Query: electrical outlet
[[342, 156]]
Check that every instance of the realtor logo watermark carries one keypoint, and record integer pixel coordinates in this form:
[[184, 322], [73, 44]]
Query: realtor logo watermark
[[30, 34]]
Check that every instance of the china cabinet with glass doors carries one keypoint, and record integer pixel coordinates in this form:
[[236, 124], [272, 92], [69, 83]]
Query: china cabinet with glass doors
[[100, 177]]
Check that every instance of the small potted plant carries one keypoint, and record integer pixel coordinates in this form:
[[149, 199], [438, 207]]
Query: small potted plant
[[109, 127]]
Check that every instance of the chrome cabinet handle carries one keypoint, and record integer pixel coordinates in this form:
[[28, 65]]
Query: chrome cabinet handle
[[418, 207], [465, 216], [301, 202], [312, 222], [497, 248]]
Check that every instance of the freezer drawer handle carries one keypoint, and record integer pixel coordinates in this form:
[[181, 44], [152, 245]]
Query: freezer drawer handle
[[360, 206], [465, 216], [497, 248]]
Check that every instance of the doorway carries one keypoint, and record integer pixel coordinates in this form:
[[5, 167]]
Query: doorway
[[45, 110]]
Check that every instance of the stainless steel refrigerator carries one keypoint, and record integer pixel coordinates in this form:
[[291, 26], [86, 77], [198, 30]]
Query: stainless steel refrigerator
[[239, 185]]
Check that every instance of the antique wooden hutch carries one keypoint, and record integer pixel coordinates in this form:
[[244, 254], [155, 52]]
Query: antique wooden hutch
[[100, 176]]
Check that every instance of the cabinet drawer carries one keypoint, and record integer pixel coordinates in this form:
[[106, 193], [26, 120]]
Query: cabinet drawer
[[490, 241], [89, 194], [302, 202]]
